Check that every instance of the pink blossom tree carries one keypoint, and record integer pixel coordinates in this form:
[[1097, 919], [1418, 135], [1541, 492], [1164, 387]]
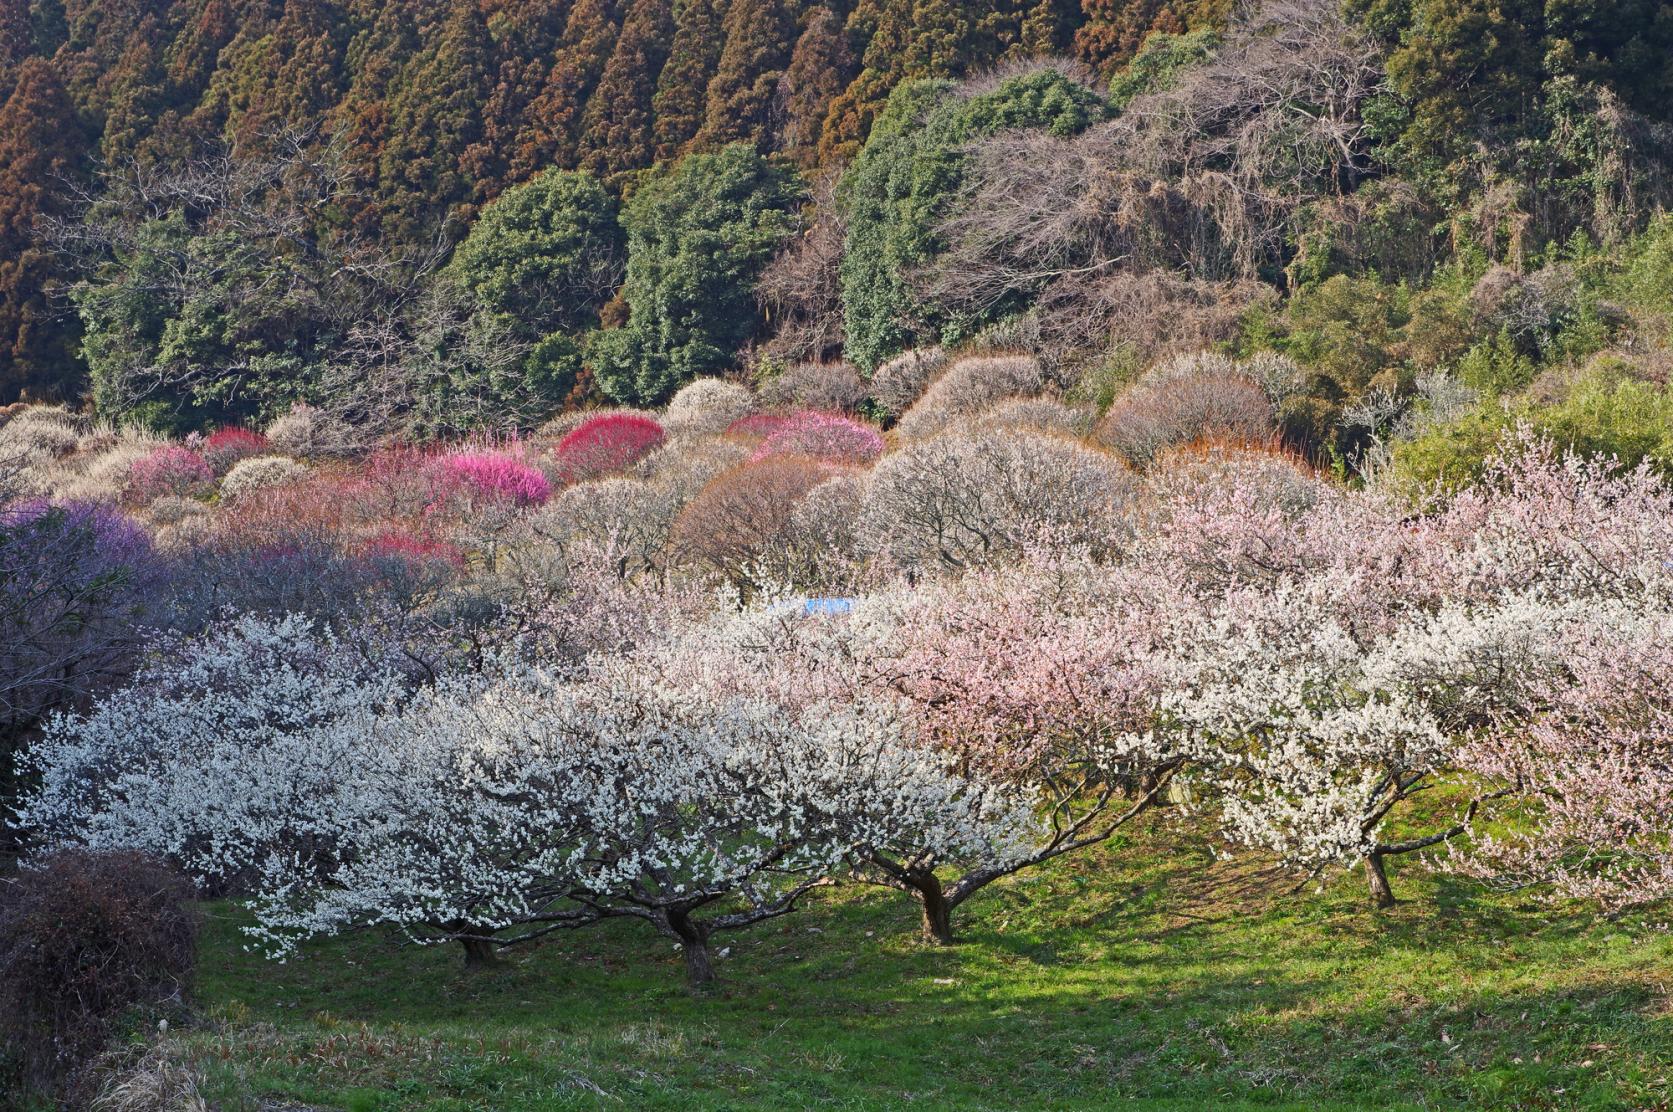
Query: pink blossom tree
[[1590, 772], [823, 436], [610, 442], [496, 477]]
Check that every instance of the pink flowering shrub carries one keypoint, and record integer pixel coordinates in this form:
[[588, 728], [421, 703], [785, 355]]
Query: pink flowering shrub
[[605, 444], [823, 436], [496, 476], [1591, 772], [410, 548], [757, 426], [170, 469], [226, 446]]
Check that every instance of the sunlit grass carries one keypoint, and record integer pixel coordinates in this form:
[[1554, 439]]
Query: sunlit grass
[[1147, 972]]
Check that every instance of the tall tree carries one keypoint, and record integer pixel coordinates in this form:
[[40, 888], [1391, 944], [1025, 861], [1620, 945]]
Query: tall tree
[[288, 76], [434, 118], [697, 240], [903, 40], [618, 133], [136, 97], [543, 258], [739, 99], [682, 89], [553, 128], [1114, 30], [42, 144], [820, 68], [17, 37]]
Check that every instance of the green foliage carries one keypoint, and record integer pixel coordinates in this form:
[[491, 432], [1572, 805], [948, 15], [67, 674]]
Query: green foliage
[[1605, 414], [1152, 974], [697, 238], [1646, 281], [544, 253], [1159, 62], [42, 144], [1118, 32], [901, 185], [1349, 330], [1496, 366], [203, 325], [1498, 91]]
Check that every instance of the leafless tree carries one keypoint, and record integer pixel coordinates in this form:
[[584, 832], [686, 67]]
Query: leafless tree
[[388, 332], [1204, 181], [800, 291]]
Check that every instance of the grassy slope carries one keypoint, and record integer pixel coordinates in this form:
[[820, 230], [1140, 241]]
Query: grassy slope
[[1140, 971]]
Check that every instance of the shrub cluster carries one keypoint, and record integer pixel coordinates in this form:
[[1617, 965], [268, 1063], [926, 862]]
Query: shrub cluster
[[611, 442], [84, 937]]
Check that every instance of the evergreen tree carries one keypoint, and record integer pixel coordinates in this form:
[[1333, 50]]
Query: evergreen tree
[[385, 39], [17, 37], [739, 100], [697, 238], [136, 98], [542, 259], [618, 133], [434, 117], [910, 170], [290, 75], [1114, 30], [820, 68], [41, 144], [682, 88], [902, 40], [552, 131]]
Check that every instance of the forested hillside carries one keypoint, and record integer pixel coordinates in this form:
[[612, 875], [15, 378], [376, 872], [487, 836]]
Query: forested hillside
[[438, 107], [444, 218], [1177, 496]]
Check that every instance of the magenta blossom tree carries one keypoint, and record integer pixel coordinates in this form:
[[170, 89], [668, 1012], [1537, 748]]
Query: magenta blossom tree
[[823, 436]]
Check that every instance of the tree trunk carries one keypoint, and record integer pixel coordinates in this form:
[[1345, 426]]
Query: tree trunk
[[938, 913], [694, 942], [1377, 874], [480, 954]]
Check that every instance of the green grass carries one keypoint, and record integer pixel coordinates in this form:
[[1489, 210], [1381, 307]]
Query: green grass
[[1146, 975]]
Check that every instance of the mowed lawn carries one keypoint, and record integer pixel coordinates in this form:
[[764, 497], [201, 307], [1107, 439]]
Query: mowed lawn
[[1146, 975]]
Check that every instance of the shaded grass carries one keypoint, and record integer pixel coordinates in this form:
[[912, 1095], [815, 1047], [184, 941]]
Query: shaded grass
[[1147, 974]]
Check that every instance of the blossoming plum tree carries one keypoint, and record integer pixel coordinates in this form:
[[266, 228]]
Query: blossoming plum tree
[[487, 809]]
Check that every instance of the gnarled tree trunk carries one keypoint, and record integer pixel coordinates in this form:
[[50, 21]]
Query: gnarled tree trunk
[[1376, 873], [694, 942], [937, 909]]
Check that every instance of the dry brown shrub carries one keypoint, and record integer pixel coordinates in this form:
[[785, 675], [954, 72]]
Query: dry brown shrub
[[740, 518], [967, 387], [800, 291], [826, 387], [1179, 404], [973, 495], [1042, 414], [895, 385], [84, 936]]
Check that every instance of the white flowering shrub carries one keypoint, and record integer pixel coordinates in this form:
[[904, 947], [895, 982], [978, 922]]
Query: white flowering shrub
[[489, 808], [258, 473], [309, 431], [706, 406], [968, 386], [901, 381], [968, 497]]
